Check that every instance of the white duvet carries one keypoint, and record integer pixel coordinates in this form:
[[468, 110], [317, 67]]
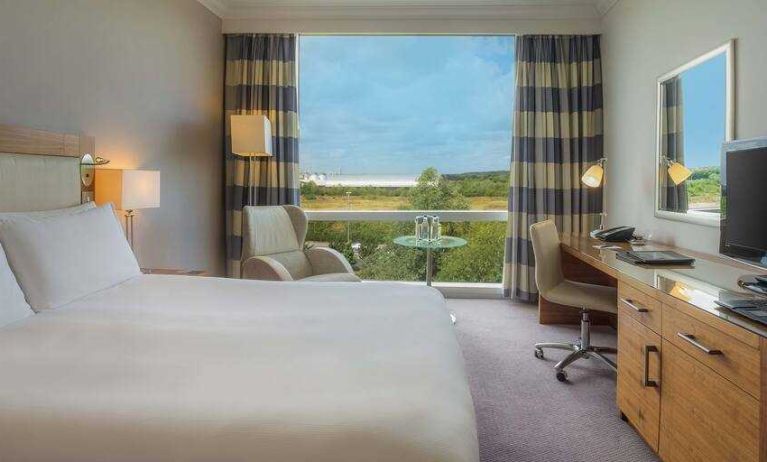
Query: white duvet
[[203, 369]]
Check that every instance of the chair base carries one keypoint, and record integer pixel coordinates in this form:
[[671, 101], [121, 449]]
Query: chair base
[[579, 350]]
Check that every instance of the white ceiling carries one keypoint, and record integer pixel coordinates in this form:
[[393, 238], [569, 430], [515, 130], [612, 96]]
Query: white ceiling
[[496, 9]]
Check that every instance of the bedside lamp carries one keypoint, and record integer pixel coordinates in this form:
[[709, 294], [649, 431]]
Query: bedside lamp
[[251, 137], [593, 178], [128, 190]]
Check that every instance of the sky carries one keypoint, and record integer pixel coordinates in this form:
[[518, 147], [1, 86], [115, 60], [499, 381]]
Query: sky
[[395, 105], [703, 100]]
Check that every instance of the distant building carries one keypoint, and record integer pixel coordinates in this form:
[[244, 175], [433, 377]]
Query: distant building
[[351, 181]]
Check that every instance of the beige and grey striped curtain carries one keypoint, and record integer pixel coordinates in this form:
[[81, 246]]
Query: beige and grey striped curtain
[[672, 197], [261, 78], [557, 136]]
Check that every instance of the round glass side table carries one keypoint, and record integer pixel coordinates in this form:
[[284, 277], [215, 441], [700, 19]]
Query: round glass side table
[[445, 242]]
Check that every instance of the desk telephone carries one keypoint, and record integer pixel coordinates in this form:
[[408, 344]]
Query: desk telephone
[[617, 234]]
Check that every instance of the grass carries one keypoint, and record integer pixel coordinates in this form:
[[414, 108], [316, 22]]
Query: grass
[[389, 203]]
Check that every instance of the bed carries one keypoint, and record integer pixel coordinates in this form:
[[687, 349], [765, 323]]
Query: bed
[[210, 369]]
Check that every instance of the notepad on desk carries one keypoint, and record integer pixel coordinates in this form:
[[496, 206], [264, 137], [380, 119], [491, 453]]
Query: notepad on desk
[[655, 257]]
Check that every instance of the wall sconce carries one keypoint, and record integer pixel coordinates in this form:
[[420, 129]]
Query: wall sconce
[[594, 175], [88, 166], [593, 178], [676, 171]]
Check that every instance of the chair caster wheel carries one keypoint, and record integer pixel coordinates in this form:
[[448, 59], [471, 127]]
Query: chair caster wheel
[[539, 354], [562, 376]]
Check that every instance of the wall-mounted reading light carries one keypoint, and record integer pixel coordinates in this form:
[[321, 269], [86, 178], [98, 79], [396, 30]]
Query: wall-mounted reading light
[[676, 171]]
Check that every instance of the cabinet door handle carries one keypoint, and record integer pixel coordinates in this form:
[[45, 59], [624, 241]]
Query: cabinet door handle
[[637, 308], [646, 382], [691, 339]]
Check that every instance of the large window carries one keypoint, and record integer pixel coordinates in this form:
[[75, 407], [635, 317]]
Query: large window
[[378, 113], [398, 123]]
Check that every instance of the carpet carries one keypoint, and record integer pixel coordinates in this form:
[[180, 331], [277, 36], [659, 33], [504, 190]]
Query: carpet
[[523, 413]]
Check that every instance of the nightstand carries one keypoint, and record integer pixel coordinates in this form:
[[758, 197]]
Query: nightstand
[[176, 272]]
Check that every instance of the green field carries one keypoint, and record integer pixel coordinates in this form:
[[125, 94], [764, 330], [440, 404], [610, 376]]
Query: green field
[[323, 202], [703, 187]]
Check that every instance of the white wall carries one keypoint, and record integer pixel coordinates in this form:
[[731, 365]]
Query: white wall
[[145, 78], [642, 40]]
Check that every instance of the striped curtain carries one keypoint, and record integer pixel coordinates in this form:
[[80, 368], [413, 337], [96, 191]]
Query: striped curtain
[[672, 197], [261, 78], [557, 136]]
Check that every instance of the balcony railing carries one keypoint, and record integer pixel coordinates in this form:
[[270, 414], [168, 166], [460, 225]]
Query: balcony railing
[[366, 238], [445, 216]]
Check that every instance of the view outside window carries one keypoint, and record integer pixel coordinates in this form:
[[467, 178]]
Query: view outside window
[[407, 123], [704, 130]]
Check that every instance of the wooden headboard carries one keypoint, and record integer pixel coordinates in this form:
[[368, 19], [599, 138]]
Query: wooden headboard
[[40, 170]]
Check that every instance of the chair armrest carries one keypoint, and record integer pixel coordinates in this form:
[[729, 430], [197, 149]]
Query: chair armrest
[[325, 260], [264, 269]]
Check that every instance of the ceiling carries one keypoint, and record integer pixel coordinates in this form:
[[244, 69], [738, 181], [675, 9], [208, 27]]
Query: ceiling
[[394, 9]]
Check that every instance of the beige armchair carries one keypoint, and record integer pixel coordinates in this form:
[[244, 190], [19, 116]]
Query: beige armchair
[[273, 248]]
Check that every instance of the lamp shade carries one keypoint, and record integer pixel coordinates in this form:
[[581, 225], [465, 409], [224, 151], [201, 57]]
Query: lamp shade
[[128, 189], [678, 172], [593, 176], [251, 135]]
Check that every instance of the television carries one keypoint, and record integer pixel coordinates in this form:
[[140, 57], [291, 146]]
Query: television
[[743, 219]]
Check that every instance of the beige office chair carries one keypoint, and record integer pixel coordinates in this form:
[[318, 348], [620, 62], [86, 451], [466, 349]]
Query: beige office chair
[[553, 286], [273, 248]]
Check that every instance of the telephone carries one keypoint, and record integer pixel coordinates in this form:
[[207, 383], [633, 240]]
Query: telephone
[[617, 234]]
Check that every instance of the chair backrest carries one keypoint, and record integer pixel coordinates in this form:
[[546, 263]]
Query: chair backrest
[[548, 260], [278, 232]]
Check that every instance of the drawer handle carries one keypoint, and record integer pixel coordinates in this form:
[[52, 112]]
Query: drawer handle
[[646, 382], [691, 339], [637, 308]]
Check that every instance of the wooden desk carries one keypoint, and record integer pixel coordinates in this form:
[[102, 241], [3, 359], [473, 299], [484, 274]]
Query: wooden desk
[[692, 379]]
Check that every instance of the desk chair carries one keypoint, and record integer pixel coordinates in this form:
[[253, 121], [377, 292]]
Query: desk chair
[[553, 286]]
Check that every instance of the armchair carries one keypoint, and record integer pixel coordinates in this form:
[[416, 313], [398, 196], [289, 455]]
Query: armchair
[[273, 248]]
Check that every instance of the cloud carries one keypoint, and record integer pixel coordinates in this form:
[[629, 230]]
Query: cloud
[[398, 104]]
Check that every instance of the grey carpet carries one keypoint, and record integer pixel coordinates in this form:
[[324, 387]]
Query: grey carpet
[[523, 413]]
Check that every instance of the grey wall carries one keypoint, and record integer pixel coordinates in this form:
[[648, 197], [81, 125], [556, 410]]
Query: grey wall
[[642, 40], [145, 78]]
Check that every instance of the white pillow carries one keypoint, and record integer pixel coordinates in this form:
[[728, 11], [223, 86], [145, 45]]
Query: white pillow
[[13, 307], [43, 214], [61, 259]]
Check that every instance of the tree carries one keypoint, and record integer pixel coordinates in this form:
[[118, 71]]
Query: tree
[[393, 263], [481, 260], [433, 192]]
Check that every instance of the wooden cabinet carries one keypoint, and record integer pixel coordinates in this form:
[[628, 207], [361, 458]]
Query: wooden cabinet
[[640, 306], [730, 358], [699, 393], [638, 392], [704, 417], [693, 390]]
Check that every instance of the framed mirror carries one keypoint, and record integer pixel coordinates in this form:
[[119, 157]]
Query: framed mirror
[[695, 115]]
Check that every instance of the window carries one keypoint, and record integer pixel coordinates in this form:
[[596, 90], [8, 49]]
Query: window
[[379, 112], [397, 123]]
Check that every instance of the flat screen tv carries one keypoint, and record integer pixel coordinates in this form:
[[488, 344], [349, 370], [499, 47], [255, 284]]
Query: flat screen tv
[[743, 222]]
